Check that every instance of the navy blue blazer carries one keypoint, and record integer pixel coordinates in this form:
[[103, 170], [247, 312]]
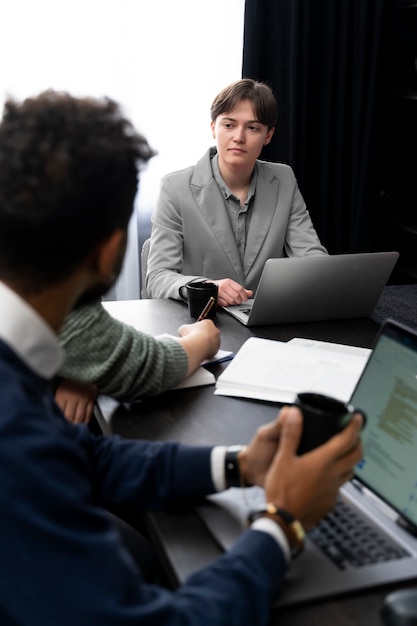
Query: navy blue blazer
[[62, 562]]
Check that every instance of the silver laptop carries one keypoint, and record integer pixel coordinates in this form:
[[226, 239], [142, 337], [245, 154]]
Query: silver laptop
[[382, 497], [315, 288]]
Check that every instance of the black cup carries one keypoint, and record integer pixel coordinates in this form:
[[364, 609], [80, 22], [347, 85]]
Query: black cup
[[323, 417], [199, 294]]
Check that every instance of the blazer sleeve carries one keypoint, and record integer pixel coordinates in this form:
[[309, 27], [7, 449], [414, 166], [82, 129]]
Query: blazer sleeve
[[238, 588], [301, 237], [66, 563], [165, 261]]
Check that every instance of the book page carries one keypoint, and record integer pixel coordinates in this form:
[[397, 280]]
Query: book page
[[272, 370]]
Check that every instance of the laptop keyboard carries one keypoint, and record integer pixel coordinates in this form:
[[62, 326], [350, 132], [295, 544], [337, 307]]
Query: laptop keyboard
[[349, 541]]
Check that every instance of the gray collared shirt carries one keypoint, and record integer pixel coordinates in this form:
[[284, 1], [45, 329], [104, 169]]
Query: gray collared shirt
[[239, 215]]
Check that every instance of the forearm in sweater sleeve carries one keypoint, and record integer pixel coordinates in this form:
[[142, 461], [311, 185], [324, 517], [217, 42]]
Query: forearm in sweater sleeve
[[121, 361]]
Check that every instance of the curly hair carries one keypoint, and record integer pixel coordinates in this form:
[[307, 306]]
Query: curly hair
[[68, 177]]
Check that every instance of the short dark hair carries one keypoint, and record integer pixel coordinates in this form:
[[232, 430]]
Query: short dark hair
[[68, 177], [260, 94]]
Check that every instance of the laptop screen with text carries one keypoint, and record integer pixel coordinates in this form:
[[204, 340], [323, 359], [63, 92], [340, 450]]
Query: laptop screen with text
[[387, 392]]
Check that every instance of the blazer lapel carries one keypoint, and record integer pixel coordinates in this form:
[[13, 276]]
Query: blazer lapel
[[263, 210], [211, 204]]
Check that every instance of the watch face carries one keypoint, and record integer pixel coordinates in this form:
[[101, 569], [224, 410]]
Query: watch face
[[294, 526], [298, 530], [293, 530]]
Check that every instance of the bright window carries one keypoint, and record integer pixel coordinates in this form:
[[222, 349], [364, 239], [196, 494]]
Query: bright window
[[163, 60]]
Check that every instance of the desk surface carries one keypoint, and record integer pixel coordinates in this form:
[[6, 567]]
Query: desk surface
[[197, 416]]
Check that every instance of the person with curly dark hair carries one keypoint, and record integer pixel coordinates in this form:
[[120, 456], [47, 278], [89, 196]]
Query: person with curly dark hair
[[70, 188], [68, 176], [109, 356]]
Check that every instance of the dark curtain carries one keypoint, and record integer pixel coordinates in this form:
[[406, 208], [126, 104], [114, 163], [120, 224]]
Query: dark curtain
[[322, 59]]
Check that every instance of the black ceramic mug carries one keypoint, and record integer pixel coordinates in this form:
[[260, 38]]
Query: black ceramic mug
[[199, 296], [323, 417]]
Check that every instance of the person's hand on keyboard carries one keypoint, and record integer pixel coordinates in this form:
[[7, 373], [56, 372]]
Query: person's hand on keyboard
[[230, 292]]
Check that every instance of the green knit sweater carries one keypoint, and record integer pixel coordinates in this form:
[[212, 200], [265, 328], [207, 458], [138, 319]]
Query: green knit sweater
[[123, 362]]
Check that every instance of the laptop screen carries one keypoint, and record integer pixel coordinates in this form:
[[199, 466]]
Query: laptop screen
[[387, 392]]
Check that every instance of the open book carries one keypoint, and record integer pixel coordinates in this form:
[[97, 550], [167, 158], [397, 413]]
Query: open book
[[276, 371]]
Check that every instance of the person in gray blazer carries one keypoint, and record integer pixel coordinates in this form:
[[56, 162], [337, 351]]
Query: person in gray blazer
[[221, 219]]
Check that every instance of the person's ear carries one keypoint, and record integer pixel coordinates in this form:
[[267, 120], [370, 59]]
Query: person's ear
[[213, 132], [110, 255], [269, 136]]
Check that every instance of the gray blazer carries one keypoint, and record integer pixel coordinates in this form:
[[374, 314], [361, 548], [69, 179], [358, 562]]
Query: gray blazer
[[192, 237]]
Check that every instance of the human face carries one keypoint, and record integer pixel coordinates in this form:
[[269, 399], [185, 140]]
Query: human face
[[240, 137]]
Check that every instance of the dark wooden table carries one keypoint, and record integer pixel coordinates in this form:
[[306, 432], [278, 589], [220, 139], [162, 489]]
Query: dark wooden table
[[197, 416]]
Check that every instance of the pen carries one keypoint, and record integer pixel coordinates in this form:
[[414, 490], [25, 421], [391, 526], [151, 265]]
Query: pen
[[206, 309]]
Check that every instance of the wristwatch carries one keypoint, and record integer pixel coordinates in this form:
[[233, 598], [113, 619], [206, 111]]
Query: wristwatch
[[231, 466], [292, 527]]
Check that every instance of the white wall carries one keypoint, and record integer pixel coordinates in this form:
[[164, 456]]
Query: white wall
[[163, 60]]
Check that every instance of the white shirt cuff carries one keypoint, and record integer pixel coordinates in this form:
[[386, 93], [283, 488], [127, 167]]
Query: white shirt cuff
[[266, 525], [217, 460], [263, 524]]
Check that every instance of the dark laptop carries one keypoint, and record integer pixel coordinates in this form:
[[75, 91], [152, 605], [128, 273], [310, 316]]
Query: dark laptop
[[317, 287], [370, 538]]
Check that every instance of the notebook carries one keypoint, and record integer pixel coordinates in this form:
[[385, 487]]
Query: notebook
[[314, 288], [383, 492]]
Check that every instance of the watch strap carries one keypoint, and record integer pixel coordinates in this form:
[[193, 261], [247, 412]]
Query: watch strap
[[231, 466], [292, 527]]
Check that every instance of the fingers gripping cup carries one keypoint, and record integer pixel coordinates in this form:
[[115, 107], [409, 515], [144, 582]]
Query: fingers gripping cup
[[323, 417], [200, 295]]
